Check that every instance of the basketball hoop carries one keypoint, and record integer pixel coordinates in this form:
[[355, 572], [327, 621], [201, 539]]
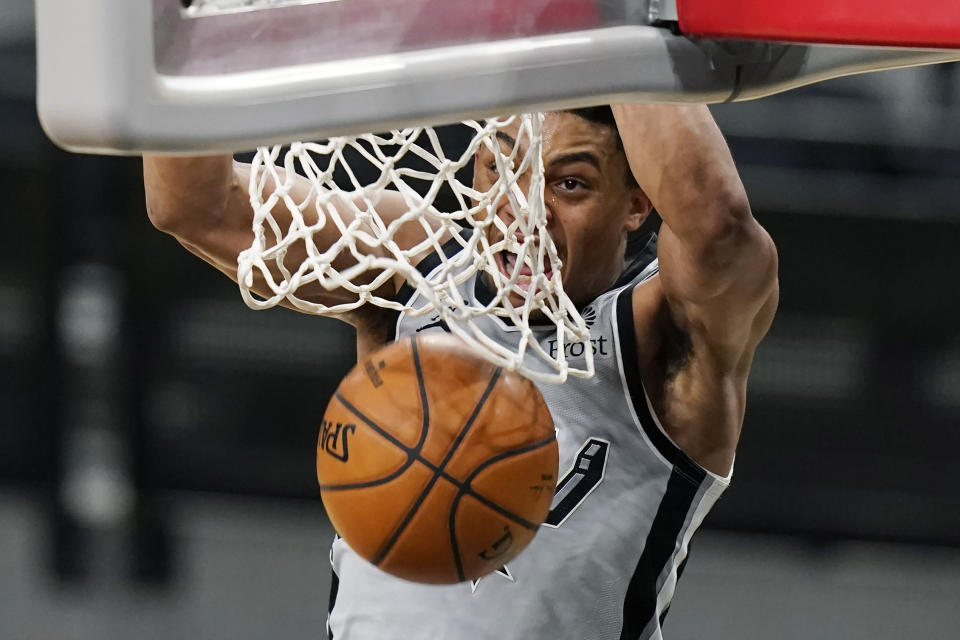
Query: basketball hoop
[[211, 77], [368, 238], [892, 23], [178, 82]]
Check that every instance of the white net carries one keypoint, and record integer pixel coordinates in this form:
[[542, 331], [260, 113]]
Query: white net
[[500, 229]]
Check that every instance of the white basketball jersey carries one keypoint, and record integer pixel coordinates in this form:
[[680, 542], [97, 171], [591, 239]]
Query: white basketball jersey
[[605, 564]]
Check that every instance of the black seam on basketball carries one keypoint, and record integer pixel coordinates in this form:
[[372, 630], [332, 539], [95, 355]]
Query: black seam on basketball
[[368, 483], [398, 531], [424, 406], [507, 454], [506, 513], [473, 417], [452, 522], [392, 540], [466, 489], [393, 475], [412, 456], [373, 425], [412, 452]]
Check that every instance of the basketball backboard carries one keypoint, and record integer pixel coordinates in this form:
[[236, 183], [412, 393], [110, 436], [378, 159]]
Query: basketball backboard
[[219, 75], [925, 23]]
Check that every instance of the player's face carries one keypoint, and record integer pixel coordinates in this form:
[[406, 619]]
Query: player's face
[[590, 204]]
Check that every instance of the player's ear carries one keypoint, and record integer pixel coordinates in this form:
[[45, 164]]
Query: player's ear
[[639, 208], [479, 175]]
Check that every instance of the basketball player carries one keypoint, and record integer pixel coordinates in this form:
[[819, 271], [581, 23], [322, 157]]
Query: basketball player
[[647, 446]]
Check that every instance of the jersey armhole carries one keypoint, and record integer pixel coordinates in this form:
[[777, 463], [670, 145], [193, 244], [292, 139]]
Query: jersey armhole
[[644, 416]]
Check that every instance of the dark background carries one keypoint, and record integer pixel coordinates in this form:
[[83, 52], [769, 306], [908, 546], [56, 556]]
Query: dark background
[[135, 378]]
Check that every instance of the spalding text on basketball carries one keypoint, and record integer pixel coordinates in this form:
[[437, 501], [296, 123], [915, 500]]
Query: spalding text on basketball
[[333, 439]]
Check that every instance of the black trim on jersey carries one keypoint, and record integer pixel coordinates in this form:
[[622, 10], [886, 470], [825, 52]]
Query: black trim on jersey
[[450, 248], [640, 603], [631, 371], [334, 588], [683, 565], [641, 250]]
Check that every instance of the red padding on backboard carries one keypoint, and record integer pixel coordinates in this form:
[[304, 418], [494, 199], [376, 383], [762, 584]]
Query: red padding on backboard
[[914, 23]]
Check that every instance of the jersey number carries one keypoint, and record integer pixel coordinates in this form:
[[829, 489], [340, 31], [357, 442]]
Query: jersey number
[[582, 478]]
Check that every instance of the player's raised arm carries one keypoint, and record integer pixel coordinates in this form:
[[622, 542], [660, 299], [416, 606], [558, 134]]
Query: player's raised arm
[[204, 203], [718, 266], [200, 202]]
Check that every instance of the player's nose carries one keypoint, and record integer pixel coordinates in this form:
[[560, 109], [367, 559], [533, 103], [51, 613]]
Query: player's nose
[[508, 215], [506, 211]]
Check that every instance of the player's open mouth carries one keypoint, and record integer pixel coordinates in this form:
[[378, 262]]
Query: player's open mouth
[[507, 263]]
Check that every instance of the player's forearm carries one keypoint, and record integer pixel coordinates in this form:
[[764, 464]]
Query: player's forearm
[[682, 162], [187, 194]]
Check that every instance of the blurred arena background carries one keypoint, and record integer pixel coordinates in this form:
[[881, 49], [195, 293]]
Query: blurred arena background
[[157, 438]]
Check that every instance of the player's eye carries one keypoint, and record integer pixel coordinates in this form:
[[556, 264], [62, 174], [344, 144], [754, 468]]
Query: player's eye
[[571, 184], [492, 167]]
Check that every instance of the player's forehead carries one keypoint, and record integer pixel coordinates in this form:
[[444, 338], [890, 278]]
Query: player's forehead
[[566, 128], [565, 133]]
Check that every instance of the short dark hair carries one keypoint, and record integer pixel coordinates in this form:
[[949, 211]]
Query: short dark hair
[[603, 116]]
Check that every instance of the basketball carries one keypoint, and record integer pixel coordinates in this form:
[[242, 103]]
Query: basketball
[[434, 464]]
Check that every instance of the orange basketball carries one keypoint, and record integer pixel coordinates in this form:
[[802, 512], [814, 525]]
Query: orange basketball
[[434, 464]]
